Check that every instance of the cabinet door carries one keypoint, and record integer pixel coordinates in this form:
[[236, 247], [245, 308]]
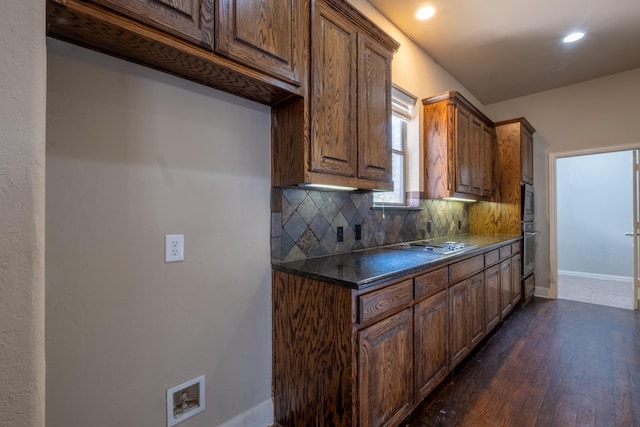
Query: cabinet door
[[263, 34], [191, 20], [488, 156], [516, 288], [505, 287], [476, 158], [463, 151], [492, 301], [334, 41], [527, 156], [374, 110], [431, 328], [458, 322], [476, 309], [385, 373]]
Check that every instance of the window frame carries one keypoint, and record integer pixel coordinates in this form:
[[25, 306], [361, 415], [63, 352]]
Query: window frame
[[402, 107]]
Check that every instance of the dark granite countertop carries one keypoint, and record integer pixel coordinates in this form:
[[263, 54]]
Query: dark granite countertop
[[361, 269]]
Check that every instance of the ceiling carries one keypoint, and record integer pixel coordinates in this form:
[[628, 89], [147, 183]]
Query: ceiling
[[502, 49]]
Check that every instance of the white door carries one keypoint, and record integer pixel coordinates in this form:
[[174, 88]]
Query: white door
[[597, 203]]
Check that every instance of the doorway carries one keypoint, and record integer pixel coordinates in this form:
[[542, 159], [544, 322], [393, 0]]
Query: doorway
[[594, 223]]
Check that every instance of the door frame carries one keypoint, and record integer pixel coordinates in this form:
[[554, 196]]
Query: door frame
[[553, 211]]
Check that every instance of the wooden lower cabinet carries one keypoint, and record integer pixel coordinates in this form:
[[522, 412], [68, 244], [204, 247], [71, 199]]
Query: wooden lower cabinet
[[467, 322], [505, 288], [492, 298], [476, 309], [385, 370], [345, 357], [516, 280], [431, 343]]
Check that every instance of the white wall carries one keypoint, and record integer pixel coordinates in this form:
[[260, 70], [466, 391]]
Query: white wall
[[595, 114], [134, 154], [594, 210], [22, 135]]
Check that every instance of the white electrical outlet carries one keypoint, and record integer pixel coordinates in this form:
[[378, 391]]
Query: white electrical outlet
[[174, 247]]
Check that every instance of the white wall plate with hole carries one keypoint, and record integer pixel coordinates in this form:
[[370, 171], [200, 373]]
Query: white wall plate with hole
[[185, 400]]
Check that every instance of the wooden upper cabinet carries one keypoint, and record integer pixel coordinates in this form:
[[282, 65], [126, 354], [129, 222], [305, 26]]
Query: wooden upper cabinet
[[191, 20], [527, 154], [488, 156], [374, 110], [515, 142], [459, 149], [257, 49], [463, 151], [333, 100], [263, 34], [341, 134]]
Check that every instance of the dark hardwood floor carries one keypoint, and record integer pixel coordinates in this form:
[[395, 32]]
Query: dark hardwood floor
[[552, 363]]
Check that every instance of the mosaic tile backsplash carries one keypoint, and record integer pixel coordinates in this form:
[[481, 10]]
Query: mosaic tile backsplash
[[304, 223]]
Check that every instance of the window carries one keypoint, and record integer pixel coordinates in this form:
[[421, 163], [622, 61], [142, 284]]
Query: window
[[402, 106]]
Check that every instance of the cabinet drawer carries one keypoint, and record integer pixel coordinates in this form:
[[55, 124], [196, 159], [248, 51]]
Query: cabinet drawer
[[465, 268], [431, 283], [505, 252], [515, 247], [378, 304], [492, 257]]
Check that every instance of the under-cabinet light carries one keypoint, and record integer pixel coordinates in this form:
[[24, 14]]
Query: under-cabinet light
[[327, 187], [459, 199]]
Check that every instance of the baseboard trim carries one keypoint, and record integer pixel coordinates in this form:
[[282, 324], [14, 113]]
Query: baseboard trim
[[259, 415], [543, 293], [609, 277]]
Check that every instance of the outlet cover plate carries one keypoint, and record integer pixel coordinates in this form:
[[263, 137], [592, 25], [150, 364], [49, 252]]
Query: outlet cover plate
[[174, 247]]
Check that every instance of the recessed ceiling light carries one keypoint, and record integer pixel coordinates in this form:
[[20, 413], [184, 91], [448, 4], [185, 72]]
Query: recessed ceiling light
[[573, 37], [425, 12]]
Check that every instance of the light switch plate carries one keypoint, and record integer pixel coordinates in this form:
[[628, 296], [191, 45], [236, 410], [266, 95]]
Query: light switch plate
[[174, 248]]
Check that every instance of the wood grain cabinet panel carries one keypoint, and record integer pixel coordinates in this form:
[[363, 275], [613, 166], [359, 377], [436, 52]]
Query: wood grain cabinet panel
[[505, 288], [263, 34], [466, 267], [459, 148], [492, 298], [467, 317], [334, 41], [488, 159], [431, 283], [463, 151], [385, 301], [459, 322], [516, 279], [374, 110], [476, 309], [341, 134], [476, 159], [492, 257], [385, 374], [431, 329], [191, 20], [527, 154]]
